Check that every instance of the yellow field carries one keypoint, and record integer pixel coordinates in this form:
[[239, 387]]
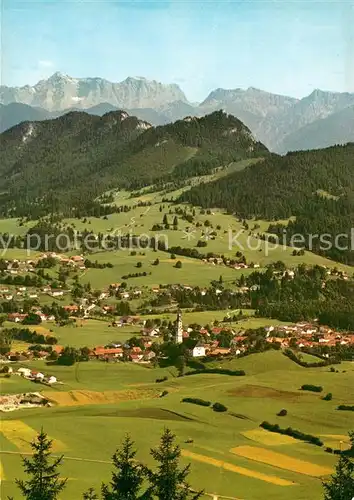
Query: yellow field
[[81, 398], [239, 470], [41, 330], [21, 435], [268, 438], [2, 474], [281, 461], [19, 346]]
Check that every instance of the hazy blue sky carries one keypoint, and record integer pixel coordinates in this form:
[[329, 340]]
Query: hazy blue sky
[[289, 47]]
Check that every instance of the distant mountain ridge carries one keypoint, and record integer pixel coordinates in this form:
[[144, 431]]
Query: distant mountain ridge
[[60, 92], [280, 122]]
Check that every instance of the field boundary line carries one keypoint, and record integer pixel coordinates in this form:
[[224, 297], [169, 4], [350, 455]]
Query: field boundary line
[[78, 459]]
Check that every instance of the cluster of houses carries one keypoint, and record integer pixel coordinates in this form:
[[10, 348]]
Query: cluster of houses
[[23, 292], [20, 317], [15, 266], [218, 261], [308, 335], [35, 376], [119, 352]]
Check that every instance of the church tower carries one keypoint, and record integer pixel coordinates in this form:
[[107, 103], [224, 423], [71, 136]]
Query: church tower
[[179, 328]]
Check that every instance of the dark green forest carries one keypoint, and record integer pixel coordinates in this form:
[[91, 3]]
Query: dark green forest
[[315, 186], [60, 165]]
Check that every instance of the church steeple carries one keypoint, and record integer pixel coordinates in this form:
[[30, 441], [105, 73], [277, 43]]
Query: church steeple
[[179, 328]]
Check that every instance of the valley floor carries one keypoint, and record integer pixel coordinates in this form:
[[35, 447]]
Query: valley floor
[[99, 403]]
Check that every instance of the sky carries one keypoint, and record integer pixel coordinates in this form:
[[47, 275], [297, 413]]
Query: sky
[[286, 47]]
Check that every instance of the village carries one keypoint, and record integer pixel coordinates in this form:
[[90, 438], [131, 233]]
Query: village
[[224, 338], [208, 341]]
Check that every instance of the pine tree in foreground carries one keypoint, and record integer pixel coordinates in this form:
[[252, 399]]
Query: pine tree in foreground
[[341, 484], [169, 482], [44, 482], [90, 495], [128, 476]]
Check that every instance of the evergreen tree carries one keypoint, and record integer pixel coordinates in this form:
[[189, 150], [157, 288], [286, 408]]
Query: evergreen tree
[[169, 482], [341, 484], [128, 476], [90, 495], [181, 365], [44, 482]]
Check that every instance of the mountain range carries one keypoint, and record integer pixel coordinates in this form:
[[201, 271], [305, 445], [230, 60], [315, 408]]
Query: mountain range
[[281, 123]]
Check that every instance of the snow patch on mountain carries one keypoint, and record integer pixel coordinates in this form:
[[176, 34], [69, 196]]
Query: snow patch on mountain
[[143, 126], [28, 134]]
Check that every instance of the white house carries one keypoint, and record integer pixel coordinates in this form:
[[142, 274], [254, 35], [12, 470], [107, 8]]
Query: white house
[[51, 380], [24, 372], [57, 293], [198, 351]]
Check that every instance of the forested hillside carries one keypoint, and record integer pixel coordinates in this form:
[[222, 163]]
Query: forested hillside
[[315, 186], [60, 164]]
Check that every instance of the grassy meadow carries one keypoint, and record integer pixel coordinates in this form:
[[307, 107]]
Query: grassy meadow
[[231, 237], [98, 403]]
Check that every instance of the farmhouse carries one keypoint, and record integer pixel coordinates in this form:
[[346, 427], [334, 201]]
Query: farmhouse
[[24, 372], [37, 376], [77, 258], [150, 332], [198, 351], [72, 308], [106, 353], [135, 358], [129, 320], [50, 379], [114, 286], [16, 317]]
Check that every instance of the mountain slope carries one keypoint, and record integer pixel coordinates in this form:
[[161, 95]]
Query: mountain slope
[[318, 105], [283, 186], [14, 113], [278, 187], [76, 157], [272, 118], [334, 129]]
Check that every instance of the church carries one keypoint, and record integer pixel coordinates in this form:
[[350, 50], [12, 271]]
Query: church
[[179, 328]]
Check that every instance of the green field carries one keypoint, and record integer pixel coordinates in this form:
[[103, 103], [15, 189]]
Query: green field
[[123, 399], [231, 237], [82, 333]]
